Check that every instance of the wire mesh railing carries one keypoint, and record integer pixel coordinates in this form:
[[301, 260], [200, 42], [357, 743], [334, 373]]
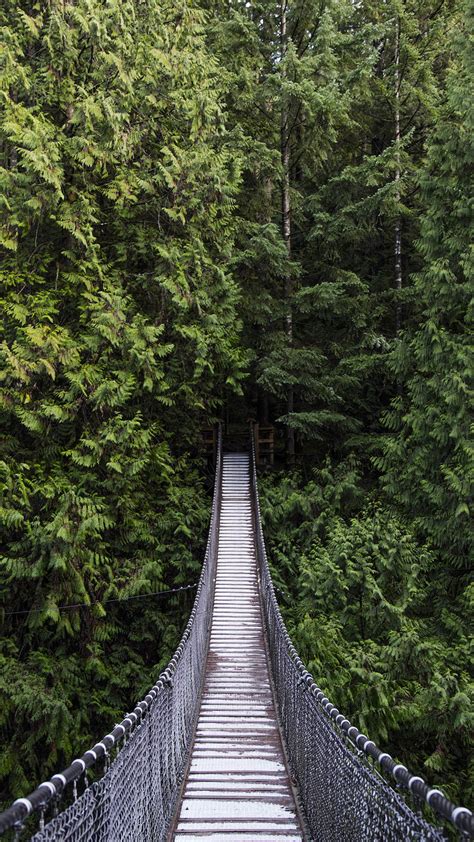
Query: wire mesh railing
[[144, 757], [341, 774]]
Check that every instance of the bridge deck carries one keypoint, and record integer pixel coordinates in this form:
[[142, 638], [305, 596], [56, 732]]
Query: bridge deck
[[237, 788]]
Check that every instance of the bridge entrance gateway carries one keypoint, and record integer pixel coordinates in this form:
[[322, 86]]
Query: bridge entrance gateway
[[237, 787], [204, 756]]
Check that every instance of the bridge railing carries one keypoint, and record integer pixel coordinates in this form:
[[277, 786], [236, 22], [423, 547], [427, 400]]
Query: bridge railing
[[144, 757], [342, 776]]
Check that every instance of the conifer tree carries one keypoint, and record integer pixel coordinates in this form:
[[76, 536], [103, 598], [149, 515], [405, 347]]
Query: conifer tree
[[118, 337], [364, 209], [321, 93], [382, 602], [431, 417]]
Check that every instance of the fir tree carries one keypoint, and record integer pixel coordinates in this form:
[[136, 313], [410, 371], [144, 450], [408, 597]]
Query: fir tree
[[118, 337], [431, 417]]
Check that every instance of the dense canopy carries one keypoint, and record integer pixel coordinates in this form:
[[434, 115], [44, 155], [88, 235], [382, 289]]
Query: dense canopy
[[236, 209]]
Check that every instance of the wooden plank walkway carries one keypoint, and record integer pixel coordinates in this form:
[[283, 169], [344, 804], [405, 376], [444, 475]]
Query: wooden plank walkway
[[237, 788]]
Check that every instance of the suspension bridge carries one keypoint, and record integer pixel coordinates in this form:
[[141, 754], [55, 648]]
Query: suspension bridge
[[236, 742]]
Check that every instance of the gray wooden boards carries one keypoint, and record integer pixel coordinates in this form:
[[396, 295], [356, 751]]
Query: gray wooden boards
[[237, 788]]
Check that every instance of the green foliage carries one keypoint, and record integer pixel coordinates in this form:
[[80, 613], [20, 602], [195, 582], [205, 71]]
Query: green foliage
[[118, 335], [357, 598], [430, 422], [335, 89], [373, 549], [147, 151]]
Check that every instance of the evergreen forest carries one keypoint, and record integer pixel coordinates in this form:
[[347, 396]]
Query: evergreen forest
[[236, 209]]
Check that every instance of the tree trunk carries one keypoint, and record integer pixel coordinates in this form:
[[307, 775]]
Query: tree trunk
[[398, 221], [286, 226]]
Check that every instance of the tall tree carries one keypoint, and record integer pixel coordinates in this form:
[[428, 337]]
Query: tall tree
[[431, 418], [118, 337], [285, 140]]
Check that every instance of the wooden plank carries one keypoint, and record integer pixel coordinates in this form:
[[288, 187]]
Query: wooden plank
[[237, 785]]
